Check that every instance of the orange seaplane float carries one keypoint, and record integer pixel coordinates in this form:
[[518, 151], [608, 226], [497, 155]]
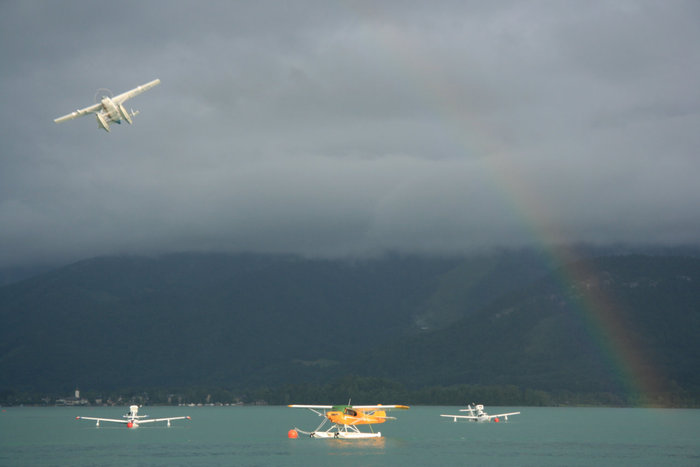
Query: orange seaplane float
[[345, 419]]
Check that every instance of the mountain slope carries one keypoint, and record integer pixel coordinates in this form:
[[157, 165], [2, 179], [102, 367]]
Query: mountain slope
[[195, 319], [612, 324], [622, 325]]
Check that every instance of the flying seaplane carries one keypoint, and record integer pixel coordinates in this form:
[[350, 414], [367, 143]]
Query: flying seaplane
[[132, 419], [477, 414], [111, 109], [345, 418]]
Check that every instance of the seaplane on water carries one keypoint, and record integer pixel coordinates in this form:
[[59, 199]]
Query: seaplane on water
[[477, 414], [344, 420], [111, 109], [132, 419]]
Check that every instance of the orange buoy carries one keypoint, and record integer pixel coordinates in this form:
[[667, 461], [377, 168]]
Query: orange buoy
[[496, 420], [292, 434]]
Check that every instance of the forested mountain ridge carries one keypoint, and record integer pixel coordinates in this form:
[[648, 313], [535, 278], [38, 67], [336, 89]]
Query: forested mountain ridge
[[624, 326], [191, 318], [253, 320]]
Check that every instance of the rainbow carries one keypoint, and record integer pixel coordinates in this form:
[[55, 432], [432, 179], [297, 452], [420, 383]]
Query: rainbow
[[638, 378]]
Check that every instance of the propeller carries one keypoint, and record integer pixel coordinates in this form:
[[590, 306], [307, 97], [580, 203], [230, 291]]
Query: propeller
[[102, 93]]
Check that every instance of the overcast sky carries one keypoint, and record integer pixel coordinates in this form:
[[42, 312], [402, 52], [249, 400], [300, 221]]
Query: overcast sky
[[349, 127]]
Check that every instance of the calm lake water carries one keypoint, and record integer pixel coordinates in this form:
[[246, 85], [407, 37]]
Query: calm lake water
[[257, 436]]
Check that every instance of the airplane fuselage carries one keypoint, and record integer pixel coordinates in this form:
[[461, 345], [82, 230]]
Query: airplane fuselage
[[111, 113], [349, 416], [111, 109]]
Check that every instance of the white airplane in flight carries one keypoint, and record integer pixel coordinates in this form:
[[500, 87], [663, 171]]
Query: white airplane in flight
[[477, 414], [111, 109], [132, 419]]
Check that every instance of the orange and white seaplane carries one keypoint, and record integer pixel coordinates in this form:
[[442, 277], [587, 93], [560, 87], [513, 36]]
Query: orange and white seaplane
[[132, 419], [345, 418], [477, 414]]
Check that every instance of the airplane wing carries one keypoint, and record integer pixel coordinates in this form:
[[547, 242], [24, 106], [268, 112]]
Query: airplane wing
[[503, 415], [466, 417], [300, 406], [372, 409], [360, 407], [141, 422], [114, 420], [380, 407], [79, 113], [135, 92]]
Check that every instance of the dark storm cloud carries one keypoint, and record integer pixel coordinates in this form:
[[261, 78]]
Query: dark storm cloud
[[348, 127]]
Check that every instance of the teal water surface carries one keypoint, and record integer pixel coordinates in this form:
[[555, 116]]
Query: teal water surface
[[257, 436]]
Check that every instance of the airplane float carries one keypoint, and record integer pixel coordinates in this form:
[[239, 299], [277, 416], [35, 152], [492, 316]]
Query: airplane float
[[111, 109], [345, 418], [132, 419], [477, 414]]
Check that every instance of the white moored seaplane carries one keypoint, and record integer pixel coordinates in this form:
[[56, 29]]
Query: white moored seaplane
[[477, 414], [111, 109], [132, 419]]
